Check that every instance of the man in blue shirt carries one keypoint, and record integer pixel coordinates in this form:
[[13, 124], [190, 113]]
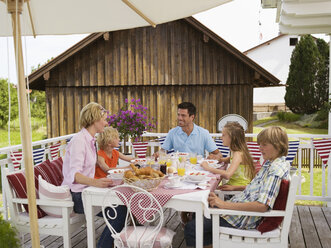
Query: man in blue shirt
[[188, 137]]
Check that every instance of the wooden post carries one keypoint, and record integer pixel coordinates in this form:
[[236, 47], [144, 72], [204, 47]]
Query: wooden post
[[24, 121]]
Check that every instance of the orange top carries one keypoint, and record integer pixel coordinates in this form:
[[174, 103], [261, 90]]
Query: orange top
[[111, 162]]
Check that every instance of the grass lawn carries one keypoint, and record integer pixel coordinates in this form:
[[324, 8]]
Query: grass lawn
[[292, 128], [264, 120], [305, 187], [38, 132]]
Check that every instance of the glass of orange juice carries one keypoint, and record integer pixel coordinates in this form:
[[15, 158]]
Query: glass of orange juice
[[181, 169], [169, 162], [193, 158]]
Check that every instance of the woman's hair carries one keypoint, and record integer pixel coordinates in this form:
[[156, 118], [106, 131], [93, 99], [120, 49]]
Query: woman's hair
[[276, 137], [238, 143], [108, 135], [91, 113]]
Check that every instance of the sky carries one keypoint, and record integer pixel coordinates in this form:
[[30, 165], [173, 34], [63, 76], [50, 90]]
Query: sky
[[242, 23]]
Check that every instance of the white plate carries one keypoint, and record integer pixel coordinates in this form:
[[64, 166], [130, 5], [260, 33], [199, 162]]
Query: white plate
[[170, 186], [216, 166], [195, 182], [211, 161], [138, 161]]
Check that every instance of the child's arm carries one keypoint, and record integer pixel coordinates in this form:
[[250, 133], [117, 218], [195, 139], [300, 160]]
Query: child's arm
[[225, 173], [225, 160], [125, 157], [219, 157], [102, 164], [227, 187], [207, 167]]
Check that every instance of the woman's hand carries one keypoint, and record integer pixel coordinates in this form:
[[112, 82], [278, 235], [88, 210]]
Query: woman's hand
[[103, 182], [215, 201]]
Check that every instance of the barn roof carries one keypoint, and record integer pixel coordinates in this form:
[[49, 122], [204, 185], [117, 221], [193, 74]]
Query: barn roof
[[37, 79]]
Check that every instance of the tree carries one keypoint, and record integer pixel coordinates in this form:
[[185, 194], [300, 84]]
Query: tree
[[307, 85], [38, 104], [4, 103], [322, 84]]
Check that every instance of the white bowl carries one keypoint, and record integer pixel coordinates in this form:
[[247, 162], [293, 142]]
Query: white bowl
[[116, 174], [211, 161], [197, 176]]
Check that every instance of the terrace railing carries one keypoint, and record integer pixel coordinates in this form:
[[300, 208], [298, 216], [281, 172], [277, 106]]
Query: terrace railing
[[302, 160]]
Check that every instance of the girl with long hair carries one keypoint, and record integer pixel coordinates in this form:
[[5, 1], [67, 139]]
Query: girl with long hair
[[241, 170]]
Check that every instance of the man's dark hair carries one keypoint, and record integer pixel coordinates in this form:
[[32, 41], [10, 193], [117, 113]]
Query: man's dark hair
[[191, 109]]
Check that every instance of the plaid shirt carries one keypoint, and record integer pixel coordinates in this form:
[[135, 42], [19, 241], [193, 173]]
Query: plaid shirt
[[263, 188]]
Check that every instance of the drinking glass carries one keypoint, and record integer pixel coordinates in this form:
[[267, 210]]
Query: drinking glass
[[181, 169], [150, 161], [193, 158], [169, 162]]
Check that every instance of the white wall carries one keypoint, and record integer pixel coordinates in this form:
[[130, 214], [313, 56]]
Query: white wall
[[275, 57]]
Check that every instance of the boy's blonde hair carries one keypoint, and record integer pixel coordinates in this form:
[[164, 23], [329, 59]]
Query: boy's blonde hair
[[91, 113], [276, 137], [238, 143], [105, 138]]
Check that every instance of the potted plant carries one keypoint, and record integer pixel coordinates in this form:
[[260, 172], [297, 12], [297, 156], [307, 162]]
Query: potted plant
[[8, 235], [131, 121]]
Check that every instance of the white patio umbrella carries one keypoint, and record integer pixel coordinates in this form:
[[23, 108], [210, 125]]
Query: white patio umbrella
[[306, 17], [52, 17]]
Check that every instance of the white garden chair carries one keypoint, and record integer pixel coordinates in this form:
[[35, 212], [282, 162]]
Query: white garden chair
[[232, 118], [232, 237], [132, 235], [63, 225]]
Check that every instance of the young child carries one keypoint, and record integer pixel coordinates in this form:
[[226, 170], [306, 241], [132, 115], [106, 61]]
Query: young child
[[241, 170], [259, 195], [107, 155]]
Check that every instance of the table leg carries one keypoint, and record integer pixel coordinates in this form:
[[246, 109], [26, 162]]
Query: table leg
[[199, 227], [89, 215]]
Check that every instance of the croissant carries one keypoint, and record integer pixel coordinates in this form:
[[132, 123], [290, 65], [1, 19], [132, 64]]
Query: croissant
[[128, 174]]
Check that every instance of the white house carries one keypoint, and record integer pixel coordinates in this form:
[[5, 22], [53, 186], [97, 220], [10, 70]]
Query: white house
[[275, 56]]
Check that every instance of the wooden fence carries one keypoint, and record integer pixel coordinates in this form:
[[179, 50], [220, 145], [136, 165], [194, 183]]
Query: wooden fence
[[305, 162]]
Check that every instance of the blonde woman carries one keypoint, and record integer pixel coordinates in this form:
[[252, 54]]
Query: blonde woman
[[107, 155], [241, 170], [79, 165]]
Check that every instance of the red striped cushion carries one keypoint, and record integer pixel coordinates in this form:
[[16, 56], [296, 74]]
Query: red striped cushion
[[18, 183], [56, 166], [50, 171]]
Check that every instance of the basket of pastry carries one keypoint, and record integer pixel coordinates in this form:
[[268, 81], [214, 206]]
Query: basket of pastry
[[146, 178]]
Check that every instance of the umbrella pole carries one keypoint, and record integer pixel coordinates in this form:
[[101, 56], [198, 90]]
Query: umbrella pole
[[25, 123]]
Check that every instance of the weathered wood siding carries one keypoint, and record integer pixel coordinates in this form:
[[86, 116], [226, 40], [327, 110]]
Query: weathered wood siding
[[212, 103], [162, 66]]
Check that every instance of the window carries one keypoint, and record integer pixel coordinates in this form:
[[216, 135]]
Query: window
[[293, 41]]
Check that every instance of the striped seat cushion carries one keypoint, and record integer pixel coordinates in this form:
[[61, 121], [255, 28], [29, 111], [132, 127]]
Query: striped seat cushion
[[18, 183], [223, 149], [143, 237], [50, 171]]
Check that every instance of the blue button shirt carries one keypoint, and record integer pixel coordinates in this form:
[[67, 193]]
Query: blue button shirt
[[198, 141]]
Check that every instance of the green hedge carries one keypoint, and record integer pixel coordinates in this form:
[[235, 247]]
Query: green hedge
[[288, 116]]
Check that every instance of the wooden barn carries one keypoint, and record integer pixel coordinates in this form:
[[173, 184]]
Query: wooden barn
[[178, 61]]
